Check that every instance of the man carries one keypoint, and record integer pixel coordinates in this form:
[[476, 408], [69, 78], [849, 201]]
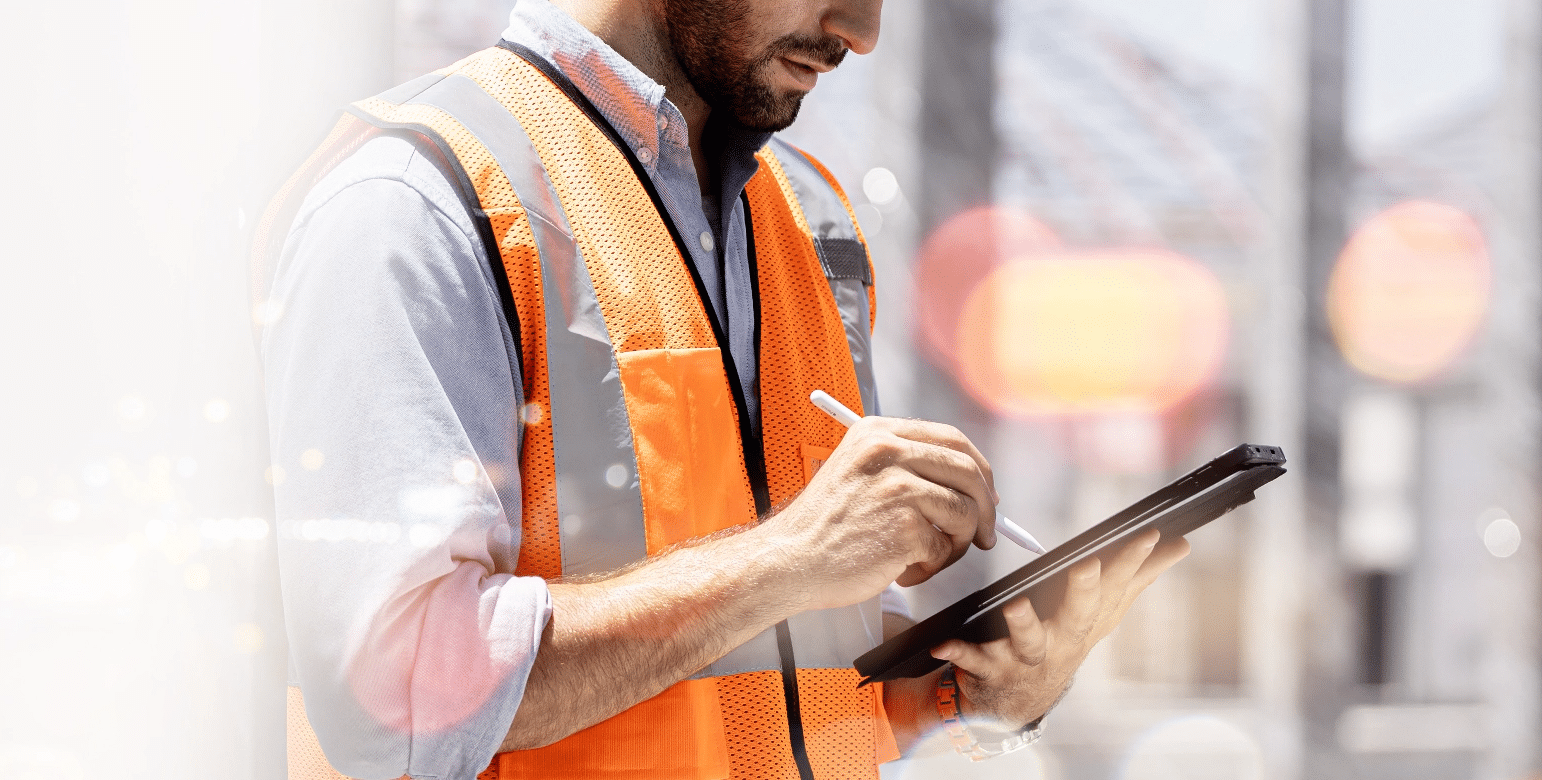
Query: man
[[541, 338]]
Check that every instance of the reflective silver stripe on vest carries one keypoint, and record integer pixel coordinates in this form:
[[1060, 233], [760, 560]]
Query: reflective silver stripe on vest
[[599, 501], [844, 259], [823, 639]]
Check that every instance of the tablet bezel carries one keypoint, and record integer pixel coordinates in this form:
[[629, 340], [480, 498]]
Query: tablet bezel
[[1191, 501]]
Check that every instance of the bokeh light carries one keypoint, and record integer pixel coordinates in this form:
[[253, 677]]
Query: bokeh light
[[1097, 332], [216, 410], [196, 576], [616, 475], [1410, 291], [249, 638], [533, 413], [312, 459], [267, 312], [465, 471], [1502, 537], [880, 186], [957, 258]]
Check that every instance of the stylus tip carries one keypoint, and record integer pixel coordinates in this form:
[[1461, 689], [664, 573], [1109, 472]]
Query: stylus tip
[[1018, 535]]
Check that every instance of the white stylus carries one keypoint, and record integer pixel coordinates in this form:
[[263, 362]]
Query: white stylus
[[848, 418]]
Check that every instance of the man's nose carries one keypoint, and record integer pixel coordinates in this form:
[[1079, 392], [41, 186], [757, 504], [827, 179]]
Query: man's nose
[[855, 22]]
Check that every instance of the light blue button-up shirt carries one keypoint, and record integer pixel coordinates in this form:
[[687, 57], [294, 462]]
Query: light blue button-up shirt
[[392, 412]]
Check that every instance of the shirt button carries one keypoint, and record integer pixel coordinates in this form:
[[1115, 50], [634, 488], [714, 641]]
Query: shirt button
[[706, 241], [645, 155], [663, 122]]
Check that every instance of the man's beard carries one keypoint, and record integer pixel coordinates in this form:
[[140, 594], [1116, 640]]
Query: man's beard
[[708, 38]]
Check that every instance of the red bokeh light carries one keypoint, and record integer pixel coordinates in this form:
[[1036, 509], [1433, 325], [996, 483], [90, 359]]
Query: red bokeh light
[[959, 255]]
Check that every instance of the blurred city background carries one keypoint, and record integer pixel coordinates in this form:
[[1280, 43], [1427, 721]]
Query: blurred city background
[[1113, 238]]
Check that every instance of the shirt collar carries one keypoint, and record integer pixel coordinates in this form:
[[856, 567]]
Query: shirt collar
[[631, 101]]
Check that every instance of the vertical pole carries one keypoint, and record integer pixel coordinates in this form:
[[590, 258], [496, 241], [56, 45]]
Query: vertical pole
[[958, 149], [896, 104], [1511, 367], [1272, 614], [958, 134], [958, 154], [1327, 184], [1328, 669]]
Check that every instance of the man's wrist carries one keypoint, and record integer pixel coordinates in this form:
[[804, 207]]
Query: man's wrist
[[769, 574], [779, 566], [978, 742]]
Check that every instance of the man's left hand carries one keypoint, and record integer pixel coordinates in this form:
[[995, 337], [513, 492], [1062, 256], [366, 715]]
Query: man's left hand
[[1014, 680]]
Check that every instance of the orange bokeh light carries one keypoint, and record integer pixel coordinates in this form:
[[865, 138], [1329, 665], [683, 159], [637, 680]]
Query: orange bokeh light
[[957, 256], [1410, 291], [1094, 332]]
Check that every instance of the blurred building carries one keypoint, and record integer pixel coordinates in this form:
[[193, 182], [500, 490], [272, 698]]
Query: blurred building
[[1113, 143]]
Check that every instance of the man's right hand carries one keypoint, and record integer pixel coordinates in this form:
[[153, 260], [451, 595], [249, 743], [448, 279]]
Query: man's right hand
[[898, 501]]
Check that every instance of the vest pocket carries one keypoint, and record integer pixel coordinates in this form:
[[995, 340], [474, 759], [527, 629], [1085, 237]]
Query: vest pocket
[[690, 462]]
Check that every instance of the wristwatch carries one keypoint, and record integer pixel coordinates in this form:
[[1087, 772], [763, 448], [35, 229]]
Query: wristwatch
[[977, 743]]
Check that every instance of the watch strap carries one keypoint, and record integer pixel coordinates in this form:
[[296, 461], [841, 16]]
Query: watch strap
[[968, 741]]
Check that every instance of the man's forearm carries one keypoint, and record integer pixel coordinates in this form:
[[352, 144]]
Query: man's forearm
[[616, 642], [898, 500]]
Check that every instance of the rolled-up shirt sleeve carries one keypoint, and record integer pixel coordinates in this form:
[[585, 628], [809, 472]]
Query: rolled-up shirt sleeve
[[393, 401]]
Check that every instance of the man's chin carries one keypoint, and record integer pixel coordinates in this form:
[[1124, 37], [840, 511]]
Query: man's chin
[[771, 113]]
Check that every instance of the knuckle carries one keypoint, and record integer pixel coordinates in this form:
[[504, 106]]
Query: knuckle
[[941, 549], [893, 490], [879, 452], [984, 676], [960, 504]]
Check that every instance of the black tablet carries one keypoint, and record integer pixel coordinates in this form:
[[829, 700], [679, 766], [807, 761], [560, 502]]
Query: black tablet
[[1193, 500]]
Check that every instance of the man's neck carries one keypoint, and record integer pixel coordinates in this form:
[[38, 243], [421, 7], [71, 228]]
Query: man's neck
[[635, 29]]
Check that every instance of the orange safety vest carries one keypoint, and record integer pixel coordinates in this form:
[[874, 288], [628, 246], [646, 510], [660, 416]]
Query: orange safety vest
[[635, 436]]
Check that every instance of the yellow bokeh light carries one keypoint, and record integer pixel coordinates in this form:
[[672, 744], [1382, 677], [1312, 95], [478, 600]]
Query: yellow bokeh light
[[1410, 291], [312, 459], [196, 576], [1093, 333], [216, 410], [249, 638]]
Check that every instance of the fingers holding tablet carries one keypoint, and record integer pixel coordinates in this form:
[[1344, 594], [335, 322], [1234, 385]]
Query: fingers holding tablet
[[1017, 678], [1133, 547]]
